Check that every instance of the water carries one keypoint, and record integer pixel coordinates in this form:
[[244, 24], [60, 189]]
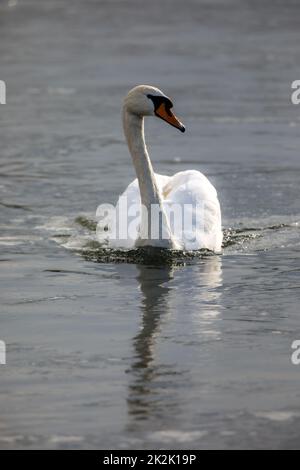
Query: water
[[190, 354]]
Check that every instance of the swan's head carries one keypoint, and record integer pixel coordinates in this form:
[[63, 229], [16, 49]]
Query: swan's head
[[145, 100]]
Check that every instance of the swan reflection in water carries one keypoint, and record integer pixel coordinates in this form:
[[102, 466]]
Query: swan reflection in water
[[177, 305]]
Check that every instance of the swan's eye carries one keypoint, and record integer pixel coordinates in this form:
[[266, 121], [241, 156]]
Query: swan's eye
[[168, 103], [159, 100]]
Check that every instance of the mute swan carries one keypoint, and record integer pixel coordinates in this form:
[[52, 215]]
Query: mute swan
[[199, 224]]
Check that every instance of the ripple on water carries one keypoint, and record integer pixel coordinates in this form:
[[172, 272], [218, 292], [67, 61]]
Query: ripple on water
[[79, 235]]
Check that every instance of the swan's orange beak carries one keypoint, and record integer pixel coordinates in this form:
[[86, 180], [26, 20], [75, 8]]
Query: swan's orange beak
[[167, 115]]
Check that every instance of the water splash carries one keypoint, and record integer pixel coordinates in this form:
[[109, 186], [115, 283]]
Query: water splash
[[79, 235]]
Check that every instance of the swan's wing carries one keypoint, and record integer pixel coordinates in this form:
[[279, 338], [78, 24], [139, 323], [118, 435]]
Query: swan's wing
[[132, 192], [189, 190], [128, 207], [127, 202], [201, 215]]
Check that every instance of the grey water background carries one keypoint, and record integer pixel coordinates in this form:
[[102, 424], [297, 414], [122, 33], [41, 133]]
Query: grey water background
[[104, 355]]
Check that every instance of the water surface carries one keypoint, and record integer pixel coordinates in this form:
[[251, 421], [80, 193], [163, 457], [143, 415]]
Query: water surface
[[194, 354]]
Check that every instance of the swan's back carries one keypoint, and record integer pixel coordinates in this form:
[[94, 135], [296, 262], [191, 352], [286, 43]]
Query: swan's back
[[192, 191]]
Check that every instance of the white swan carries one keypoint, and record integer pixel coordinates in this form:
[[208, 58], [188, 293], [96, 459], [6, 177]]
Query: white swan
[[199, 226]]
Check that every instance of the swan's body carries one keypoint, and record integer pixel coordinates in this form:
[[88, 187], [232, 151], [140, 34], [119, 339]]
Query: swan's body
[[200, 223]]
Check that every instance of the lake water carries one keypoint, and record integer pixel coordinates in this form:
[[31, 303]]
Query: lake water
[[195, 354]]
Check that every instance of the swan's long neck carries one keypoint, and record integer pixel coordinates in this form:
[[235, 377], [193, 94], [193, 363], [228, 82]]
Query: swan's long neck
[[150, 194], [134, 132]]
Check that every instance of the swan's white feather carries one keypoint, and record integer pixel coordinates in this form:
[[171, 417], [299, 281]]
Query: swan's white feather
[[192, 189]]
